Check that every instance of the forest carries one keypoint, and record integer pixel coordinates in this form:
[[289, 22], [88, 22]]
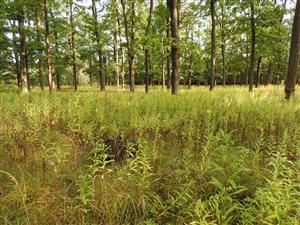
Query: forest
[[120, 112]]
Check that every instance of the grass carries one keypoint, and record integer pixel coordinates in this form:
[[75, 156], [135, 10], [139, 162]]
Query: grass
[[222, 157]]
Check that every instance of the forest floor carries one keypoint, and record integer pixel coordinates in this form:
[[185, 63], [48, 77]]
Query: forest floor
[[117, 158]]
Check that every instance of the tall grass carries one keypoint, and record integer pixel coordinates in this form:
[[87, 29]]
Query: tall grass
[[222, 157]]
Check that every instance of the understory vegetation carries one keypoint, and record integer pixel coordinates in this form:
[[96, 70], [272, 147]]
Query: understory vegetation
[[222, 157]]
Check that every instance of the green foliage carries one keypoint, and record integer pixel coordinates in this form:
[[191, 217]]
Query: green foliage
[[226, 157]]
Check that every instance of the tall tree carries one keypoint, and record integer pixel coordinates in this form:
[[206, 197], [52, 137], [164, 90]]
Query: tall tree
[[294, 55], [39, 41], [116, 46], [99, 49], [213, 46], [174, 12], [253, 45], [130, 39], [74, 66], [23, 70], [169, 66], [49, 56], [16, 54], [223, 46], [146, 47]]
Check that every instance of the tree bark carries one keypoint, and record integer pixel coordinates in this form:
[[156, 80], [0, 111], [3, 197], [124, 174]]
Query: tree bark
[[22, 51], [294, 55], [269, 73], [173, 7], [49, 56], [130, 38], [223, 44], [163, 69], [40, 50], [169, 66], [213, 46], [99, 48], [123, 67], [16, 55], [116, 50], [57, 75], [253, 46], [258, 69], [75, 77], [146, 47]]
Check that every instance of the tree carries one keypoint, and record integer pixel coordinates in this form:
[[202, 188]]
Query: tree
[[174, 12], [99, 50], [130, 39], [294, 55], [253, 46], [49, 56], [146, 47], [74, 66], [23, 70], [213, 46], [39, 41]]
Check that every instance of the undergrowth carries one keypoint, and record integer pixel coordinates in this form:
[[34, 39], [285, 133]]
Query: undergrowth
[[224, 157]]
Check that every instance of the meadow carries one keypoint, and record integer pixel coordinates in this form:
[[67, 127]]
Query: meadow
[[221, 157]]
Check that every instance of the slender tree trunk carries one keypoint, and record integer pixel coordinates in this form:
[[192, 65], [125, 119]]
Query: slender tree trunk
[[163, 69], [269, 73], [257, 80], [253, 47], [123, 68], [40, 50], [173, 7], [130, 38], [146, 47], [16, 55], [57, 75], [91, 68], [99, 48], [146, 70], [74, 66], [116, 51], [49, 56], [169, 66], [190, 73], [213, 46], [223, 45], [22, 51], [294, 55], [27, 68]]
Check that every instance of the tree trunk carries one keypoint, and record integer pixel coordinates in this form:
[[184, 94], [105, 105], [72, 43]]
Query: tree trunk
[[116, 51], [294, 55], [130, 38], [27, 68], [57, 75], [253, 47], [40, 50], [123, 68], [49, 57], [75, 77], [169, 66], [173, 7], [16, 54], [163, 77], [269, 73], [190, 73], [213, 46], [146, 47], [99, 48], [257, 80], [223, 44], [22, 51]]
